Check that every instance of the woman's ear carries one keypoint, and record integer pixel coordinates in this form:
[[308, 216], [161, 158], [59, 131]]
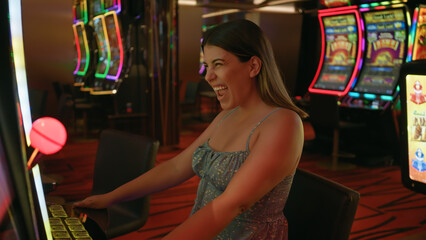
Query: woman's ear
[[255, 66]]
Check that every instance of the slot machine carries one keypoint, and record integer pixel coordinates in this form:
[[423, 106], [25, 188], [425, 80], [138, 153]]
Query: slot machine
[[121, 71], [374, 99], [386, 42], [24, 212], [83, 73], [413, 107], [341, 49], [100, 84]]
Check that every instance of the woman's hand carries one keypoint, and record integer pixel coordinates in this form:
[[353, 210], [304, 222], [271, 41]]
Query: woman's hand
[[95, 201]]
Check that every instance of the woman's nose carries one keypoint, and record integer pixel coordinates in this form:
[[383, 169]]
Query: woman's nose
[[210, 76]]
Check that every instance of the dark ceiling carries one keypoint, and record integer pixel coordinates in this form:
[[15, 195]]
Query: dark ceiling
[[251, 4]]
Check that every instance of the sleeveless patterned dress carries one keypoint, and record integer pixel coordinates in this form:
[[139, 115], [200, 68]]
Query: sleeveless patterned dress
[[265, 219]]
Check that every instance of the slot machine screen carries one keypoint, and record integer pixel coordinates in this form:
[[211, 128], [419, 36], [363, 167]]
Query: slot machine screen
[[77, 10], [116, 48], [83, 49], [386, 34], [108, 4], [419, 51], [341, 39], [413, 101], [103, 47], [97, 7]]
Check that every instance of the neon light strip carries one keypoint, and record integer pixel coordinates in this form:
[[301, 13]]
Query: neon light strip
[[103, 75], [380, 5], [21, 80], [103, 5], [119, 6], [19, 60], [84, 12], [42, 201], [352, 80], [412, 35], [86, 48], [115, 7], [77, 45], [120, 46]]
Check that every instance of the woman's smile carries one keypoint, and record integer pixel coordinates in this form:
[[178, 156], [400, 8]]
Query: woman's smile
[[220, 90]]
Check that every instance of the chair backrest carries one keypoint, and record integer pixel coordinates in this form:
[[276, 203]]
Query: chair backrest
[[122, 156], [191, 92], [324, 110], [319, 208]]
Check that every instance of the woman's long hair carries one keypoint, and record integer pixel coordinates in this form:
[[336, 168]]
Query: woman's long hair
[[245, 39]]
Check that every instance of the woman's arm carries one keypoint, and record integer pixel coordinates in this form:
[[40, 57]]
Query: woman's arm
[[161, 177], [275, 154]]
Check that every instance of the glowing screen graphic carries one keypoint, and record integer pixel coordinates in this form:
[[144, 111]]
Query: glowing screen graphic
[[385, 51], [103, 47], [341, 39], [115, 44], [416, 123], [419, 51]]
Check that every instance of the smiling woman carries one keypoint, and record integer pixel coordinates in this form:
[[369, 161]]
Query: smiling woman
[[247, 156]]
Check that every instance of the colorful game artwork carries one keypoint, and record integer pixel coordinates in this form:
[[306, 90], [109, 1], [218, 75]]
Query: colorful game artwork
[[417, 97], [103, 46], [341, 47], [386, 33], [416, 123], [419, 51], [116, 47]]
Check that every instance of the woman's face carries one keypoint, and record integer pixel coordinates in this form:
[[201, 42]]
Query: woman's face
[[231, 79]]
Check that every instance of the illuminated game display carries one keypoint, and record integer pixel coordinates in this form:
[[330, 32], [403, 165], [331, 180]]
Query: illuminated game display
[[413, 132], [416, 120], [83, 55], [80, 11], [341, 51], [385, 51], [116, 46], [103, 47], [419, 23]]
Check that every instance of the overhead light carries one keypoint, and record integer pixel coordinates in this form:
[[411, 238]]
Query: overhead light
[[187, 2], [220, 13], [258, 2], [277, 9]]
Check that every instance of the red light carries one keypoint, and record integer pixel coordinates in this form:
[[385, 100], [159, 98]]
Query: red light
[[48, 135]]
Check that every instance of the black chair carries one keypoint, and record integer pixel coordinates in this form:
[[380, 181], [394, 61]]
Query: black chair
[[191, 99], [324, 114], [319, 208], [121, 157]]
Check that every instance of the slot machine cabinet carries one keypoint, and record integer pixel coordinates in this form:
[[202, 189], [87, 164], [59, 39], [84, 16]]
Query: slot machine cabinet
[[121, 70], [84, 46], [23, 209], [340, 53], [374, 98], [413, 107], [413, 132], [386, 43]]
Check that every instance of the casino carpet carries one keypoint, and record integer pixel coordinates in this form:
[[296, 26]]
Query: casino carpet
[[386, 210]]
